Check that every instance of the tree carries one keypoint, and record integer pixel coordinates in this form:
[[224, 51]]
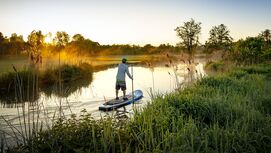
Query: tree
[[266, 36], [14, 37], [15, 44], [2, 46], [149, 48], [219, 37], [61, 39], [189, 34], [35, 42], [2, 38], [78, 37], [249, 51]]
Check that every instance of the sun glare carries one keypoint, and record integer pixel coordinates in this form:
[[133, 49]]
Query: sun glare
[[48, 40]]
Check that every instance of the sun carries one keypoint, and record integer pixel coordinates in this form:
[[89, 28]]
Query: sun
[[48, 40]]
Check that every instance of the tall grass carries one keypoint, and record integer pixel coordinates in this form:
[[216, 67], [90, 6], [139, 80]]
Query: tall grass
[[226, 113], [22, 88], [30, 82]]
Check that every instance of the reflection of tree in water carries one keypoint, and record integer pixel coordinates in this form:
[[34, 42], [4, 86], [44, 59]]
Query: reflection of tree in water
[[19, 87], [25, 86], [67, 87], [72, 79]]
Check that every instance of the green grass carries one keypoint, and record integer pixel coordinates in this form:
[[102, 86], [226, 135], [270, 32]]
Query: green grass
[[229, 113], [215, 66]]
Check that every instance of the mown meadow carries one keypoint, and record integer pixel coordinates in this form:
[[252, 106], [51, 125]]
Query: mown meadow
[[224, 113]]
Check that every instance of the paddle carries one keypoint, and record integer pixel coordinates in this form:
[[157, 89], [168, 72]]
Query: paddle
[[132, 82]]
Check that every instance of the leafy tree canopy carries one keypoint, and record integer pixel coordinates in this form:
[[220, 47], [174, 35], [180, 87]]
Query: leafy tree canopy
[[219, 37], [189, 34]]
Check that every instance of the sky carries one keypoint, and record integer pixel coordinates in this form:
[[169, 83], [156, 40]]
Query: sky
[[137, 22]]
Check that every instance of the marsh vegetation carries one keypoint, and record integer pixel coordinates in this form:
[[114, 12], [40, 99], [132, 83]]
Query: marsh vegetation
[[228, 111]]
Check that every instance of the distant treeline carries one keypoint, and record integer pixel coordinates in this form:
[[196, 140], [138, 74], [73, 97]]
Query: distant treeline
[[249, 50], [15, 45]]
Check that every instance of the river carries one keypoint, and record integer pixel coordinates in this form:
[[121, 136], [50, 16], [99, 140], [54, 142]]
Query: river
[[16, 119]]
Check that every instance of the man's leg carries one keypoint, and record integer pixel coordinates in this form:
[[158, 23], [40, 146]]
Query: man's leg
[[124, 93], [117, 93], [117, 90], [123, 88]]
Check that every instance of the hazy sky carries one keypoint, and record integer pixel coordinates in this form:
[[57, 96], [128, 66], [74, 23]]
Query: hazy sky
[[133, 21]]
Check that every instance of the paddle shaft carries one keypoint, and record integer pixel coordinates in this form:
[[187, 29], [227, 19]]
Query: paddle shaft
[[132, 82]]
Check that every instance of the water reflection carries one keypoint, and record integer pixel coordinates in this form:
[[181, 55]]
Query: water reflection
[[20, 87], [100, 85], [66, 88], [28, 85]]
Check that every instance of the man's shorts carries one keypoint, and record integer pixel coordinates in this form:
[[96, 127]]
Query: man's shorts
[[120, 85]]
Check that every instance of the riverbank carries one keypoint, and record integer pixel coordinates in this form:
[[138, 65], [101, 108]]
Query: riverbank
[[225, 113]]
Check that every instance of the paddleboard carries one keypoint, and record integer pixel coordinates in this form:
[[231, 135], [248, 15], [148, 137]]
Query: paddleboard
[[114, 104]]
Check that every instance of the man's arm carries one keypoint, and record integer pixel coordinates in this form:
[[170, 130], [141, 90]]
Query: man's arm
[[128, 73]]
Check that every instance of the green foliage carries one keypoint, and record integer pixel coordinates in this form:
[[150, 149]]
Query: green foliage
[[36, 46], [267, 37], [219, 38], [229, 113], [17, 87], [189, 34], [82, 46], [36, 42], [61, 39], [25, 85], [78, 37], [249, 51], [1, 37], [68, 73], [14, 45], [215, 66], [253, 49]]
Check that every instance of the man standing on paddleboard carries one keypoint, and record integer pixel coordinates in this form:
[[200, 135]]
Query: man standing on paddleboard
[[120, 79]]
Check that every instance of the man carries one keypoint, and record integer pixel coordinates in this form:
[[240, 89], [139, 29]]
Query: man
[[120, 79]]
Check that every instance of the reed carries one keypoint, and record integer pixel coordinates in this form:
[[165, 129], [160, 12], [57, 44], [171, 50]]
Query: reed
[[22, 88], [30, 82]]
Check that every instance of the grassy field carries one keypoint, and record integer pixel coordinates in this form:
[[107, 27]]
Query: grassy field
[[229, 113]]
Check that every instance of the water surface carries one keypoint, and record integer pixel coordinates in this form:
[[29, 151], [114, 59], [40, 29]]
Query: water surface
[[151, 80]]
